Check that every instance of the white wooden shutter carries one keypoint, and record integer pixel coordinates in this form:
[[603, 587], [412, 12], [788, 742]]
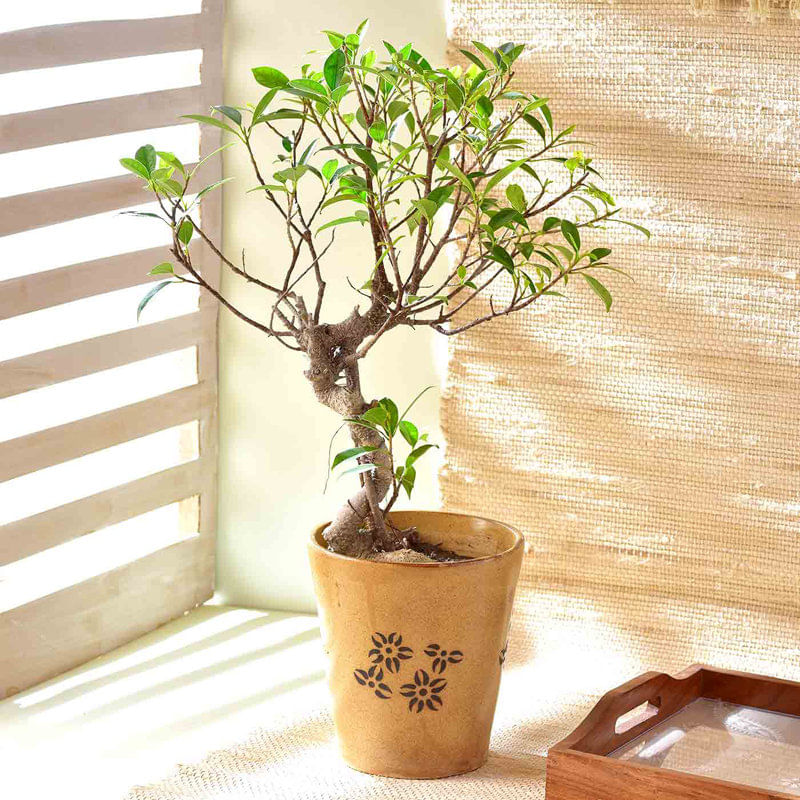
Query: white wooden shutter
[[107, 478]]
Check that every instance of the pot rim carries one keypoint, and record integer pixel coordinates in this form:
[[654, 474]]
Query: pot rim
[[519, 542]]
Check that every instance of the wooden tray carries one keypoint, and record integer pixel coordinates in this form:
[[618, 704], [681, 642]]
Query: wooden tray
[[664, 738]]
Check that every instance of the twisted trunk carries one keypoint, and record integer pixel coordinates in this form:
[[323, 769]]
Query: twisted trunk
[[358, 529]]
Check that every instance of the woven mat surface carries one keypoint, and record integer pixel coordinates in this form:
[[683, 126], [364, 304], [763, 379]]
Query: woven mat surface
[[649, 455]]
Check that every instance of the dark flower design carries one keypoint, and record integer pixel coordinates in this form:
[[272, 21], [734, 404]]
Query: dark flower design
[[389, 650], [441, 658], [503, 654], [424, 692], [373, 678]]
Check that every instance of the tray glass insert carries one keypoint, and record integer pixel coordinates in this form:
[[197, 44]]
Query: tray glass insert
[[724, 741]]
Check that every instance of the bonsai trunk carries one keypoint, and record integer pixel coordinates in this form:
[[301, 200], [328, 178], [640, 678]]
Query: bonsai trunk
[[358, 529]]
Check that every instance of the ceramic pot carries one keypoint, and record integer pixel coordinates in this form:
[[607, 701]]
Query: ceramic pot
[[416, 650]]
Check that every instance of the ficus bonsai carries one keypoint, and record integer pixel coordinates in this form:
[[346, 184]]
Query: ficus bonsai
[[417, 157]]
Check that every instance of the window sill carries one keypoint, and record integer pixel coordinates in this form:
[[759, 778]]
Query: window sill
[[197, 684]]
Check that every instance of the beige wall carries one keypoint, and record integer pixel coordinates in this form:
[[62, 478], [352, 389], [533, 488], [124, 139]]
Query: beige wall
[[273, 436]]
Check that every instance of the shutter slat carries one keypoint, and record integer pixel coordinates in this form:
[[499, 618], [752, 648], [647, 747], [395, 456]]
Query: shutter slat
[[45, 448], [77, 281], [43, 637], [207, 366], [23, 212], [58, 525], [98, 118], [57, 632], [82, 42], [94, 355]]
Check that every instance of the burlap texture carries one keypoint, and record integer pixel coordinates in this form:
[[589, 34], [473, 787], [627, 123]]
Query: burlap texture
[[649, 455], [757, 9]]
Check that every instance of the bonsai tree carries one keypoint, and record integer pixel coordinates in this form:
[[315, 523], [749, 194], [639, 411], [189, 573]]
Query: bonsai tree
[[421, 159]]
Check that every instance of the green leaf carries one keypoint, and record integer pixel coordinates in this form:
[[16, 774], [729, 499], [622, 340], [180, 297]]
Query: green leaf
[[206, 189], [376, 415], [473, 58], [501, 256], [269, 187], [270, 77], [440, 195], [209, 121], [507, 217], [164, 268], [417, 453], [454, 95], [172, 160], [548, 117], [353, 452], [143, 214], [262, 104], [185, 231], [169, 187], [414, 401], [639, 228], [305, 87], [291, 173], [147, 155], [599, 290], [359, 469], [427, 207], [329, 169], [503, 173], [378, 130], [136, 167], [485, 106], [361, 423], [362, 27], [407, 479], [550, 223], [231, 113], [396, 108], [536, 125], [571, 234], [283, 113], [516, 197], [487, 52], [336, 39], [341, 221], [366, 156], [409, 432], [333, 70], [463, 179], [599, 253], [392, 414], [149, 296]]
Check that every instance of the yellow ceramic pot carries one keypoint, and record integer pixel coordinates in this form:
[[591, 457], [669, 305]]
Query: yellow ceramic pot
[[416, 650]]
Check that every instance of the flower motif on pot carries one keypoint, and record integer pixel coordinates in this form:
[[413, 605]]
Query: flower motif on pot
[[424, 692], [442, 657], [373, 678], [389, 650], [502, 658]]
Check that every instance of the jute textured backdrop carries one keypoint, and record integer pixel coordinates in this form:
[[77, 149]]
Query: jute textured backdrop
[[649, 455]]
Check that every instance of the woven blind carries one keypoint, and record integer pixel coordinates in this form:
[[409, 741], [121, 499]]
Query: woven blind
[[650, 454], [107, 428]]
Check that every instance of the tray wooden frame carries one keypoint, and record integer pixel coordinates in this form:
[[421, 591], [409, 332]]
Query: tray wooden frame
[[578, 768]]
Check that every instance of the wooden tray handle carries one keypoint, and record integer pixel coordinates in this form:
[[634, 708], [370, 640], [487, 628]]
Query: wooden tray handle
[[625, 712]]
